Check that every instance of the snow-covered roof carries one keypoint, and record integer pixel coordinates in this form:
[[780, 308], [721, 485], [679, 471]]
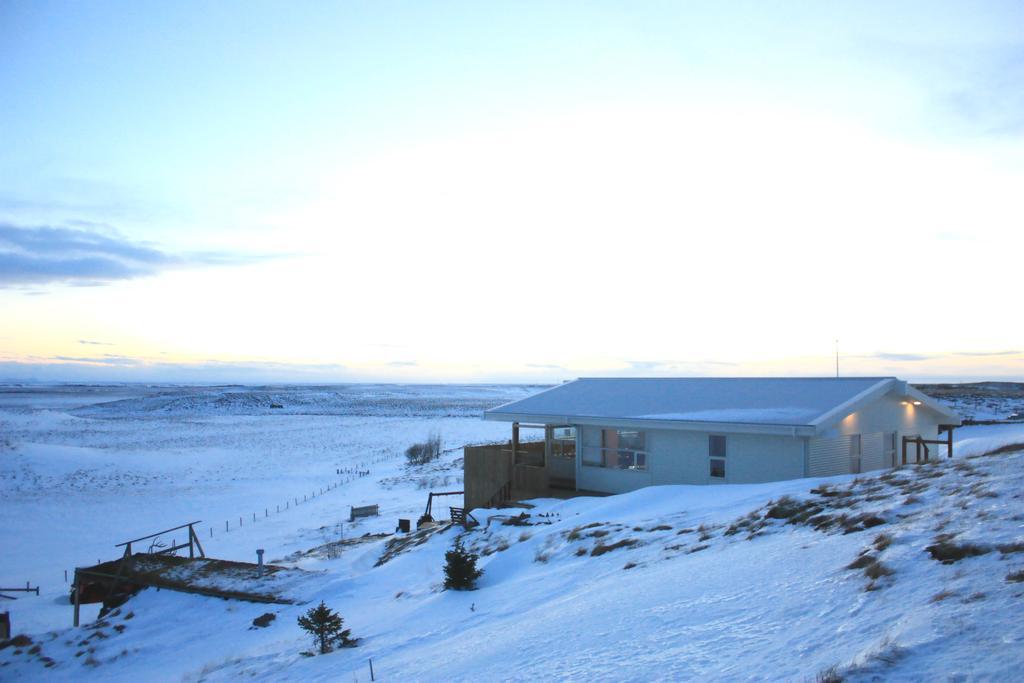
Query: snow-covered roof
[[758, 404]]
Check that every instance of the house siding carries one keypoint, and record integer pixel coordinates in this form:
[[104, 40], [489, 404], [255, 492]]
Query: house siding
[[830, 453], [678, 457]]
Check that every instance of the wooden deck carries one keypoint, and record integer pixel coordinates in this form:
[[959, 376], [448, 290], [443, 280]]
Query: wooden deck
[[110, 582]]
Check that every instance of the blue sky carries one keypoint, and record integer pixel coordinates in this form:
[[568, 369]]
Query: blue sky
[[521, 191]]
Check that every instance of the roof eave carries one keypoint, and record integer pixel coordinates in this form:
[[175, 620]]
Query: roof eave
[[646, 423]]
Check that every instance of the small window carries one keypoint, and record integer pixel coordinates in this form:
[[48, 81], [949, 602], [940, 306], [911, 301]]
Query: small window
[[716, 453], [718, 468]]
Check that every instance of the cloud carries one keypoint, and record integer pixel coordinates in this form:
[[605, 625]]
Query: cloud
[[674, 365], [991, 101], [544, 366], [403, 363], [94, 343], [108, 359], [114, 368], [986, 353], [87, 257], [912, 357]]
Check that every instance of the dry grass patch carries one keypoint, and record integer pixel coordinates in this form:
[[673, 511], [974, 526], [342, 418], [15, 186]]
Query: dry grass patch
[[942, 595], [1008, 548], [947, 552], [877, 570], [601, 548], [1016, 577], [862, 562]]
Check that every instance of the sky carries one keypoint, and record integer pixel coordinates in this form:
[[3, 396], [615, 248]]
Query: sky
[[528, 191]]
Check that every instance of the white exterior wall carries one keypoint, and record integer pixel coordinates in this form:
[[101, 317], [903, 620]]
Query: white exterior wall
[[830, 452], [681, 457]]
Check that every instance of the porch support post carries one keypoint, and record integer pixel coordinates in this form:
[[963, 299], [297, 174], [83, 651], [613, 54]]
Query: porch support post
[[515, 441], [904, 450], [949, 441], [549, 433]]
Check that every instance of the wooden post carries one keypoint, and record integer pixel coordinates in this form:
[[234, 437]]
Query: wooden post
[[78, 596], [549, 433], [515, 441], [904, 450], [194, 537], [917, 450], [949, 442], [371, 670]]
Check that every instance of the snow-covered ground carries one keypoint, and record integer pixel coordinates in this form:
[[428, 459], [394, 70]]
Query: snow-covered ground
[[84, 468], [672, 582]]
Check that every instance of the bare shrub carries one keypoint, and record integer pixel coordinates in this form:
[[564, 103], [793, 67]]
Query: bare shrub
[[1016, 577], [422, 453]]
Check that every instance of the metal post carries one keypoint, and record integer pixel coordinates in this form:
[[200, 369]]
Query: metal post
[[259, 560]]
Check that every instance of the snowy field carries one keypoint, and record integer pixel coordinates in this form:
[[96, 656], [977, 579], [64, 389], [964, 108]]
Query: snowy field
[[667, 583], [84, 468]]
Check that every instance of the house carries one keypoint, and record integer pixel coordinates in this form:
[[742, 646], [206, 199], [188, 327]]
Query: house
[[612, 435]]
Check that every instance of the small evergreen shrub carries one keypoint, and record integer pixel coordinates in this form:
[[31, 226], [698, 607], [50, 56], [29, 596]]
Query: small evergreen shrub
[[460, 570], [325, 626], [829, 675]]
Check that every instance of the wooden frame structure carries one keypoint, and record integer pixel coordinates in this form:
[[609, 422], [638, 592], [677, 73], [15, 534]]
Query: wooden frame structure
[[193, 544], [921, 445]]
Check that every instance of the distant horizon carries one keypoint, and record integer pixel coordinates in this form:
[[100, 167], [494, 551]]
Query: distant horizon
[[514, 192], [7, 382]]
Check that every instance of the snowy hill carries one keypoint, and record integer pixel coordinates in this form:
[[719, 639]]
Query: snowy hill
[[911, 574]]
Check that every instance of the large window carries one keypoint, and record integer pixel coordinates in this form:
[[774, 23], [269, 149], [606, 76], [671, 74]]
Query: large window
[[621, 449], [716, 455]]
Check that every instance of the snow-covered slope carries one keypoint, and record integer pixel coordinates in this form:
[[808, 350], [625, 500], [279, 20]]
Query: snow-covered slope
[[770, 582]]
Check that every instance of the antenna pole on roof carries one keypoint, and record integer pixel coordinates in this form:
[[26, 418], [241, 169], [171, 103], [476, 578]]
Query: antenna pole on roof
[[837, 359]]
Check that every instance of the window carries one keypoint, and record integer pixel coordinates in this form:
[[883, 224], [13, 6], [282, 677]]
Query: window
[[621, 449], [716, 455], [563, 442]]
